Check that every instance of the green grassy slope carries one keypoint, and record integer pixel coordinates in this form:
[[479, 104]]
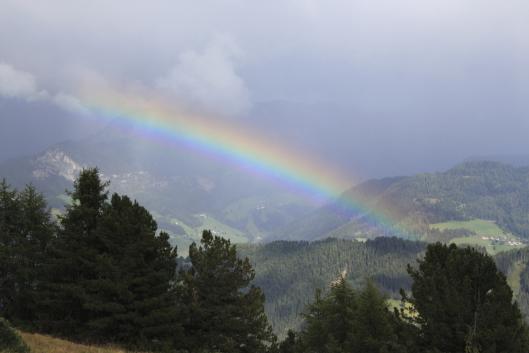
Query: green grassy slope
[[485, 234]]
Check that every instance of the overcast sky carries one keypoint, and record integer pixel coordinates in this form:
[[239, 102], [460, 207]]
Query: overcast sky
[[379, 86]]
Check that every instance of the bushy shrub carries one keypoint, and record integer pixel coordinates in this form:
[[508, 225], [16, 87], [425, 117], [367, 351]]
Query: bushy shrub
[[10, 340]]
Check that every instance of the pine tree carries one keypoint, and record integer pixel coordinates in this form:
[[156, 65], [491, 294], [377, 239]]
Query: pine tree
[[37, 230], [464, 303], [70, 266], [374, 326], [346, 320], [10, 219], [329, 321], [226, 313], [25, 231], [132, 299], [110, 275]]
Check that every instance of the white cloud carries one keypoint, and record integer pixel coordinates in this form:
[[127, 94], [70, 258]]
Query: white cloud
[[207, 79], [20, 84], [69, 103]]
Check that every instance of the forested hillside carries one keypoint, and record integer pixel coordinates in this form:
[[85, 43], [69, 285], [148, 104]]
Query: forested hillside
[[515, 264], [290, 272], [104, 274], [473, 190]]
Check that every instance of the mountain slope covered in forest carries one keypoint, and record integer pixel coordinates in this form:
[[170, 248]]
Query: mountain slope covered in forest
[[289, 272], [489, 191]]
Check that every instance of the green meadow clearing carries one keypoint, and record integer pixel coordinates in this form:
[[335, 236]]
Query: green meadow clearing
[[487, 235], [478, 226]]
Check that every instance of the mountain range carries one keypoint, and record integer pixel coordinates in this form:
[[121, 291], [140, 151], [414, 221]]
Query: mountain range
[[188, 191], [295, 244], [489, 191]]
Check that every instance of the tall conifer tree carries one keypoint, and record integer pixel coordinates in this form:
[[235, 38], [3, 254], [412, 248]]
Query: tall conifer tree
[[71, 258], [25, 231], [226, 313], [110, 275], [464, 303]]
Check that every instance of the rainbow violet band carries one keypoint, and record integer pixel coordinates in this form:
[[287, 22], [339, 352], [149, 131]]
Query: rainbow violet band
[[160, 121]]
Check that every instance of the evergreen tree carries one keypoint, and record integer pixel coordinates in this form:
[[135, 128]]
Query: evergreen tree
[[37, 230], [110, 275], [346, 321], [376, 329], [464, 303], [25, 231], [329, 321], [226, 313], [132, 299], [70, 266], [10, 219]]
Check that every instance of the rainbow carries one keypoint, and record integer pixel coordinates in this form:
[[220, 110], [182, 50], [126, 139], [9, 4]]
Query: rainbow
[[161, 121]]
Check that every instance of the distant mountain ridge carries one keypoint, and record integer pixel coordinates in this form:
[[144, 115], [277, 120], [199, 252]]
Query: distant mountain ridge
[[187, 191], [184, 190], [517, 160], [477, 189]]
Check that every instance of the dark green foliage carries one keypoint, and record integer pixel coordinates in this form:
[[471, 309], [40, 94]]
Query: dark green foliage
[[109, 274], [70, 267], [464, 303], [346, 320], [25, 231], [290, 272], [106, 276], [515, 265], [225, 313], [131, 296], [10, 340]]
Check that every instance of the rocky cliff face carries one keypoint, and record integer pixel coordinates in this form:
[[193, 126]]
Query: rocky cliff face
[[55, 162]]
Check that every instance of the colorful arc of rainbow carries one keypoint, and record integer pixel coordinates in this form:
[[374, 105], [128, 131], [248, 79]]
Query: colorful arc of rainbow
[[159, 121]]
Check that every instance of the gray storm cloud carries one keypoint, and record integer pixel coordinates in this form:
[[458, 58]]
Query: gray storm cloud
[[384, 86]]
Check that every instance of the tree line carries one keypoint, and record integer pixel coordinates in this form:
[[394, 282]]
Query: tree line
[[105, 274], [290, 271], [459, 303]]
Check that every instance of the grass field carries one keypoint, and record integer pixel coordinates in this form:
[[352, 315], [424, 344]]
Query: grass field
[[487, 235], [219, 228], [491, 247], [194, 234], [46, 344], [479, 226]]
